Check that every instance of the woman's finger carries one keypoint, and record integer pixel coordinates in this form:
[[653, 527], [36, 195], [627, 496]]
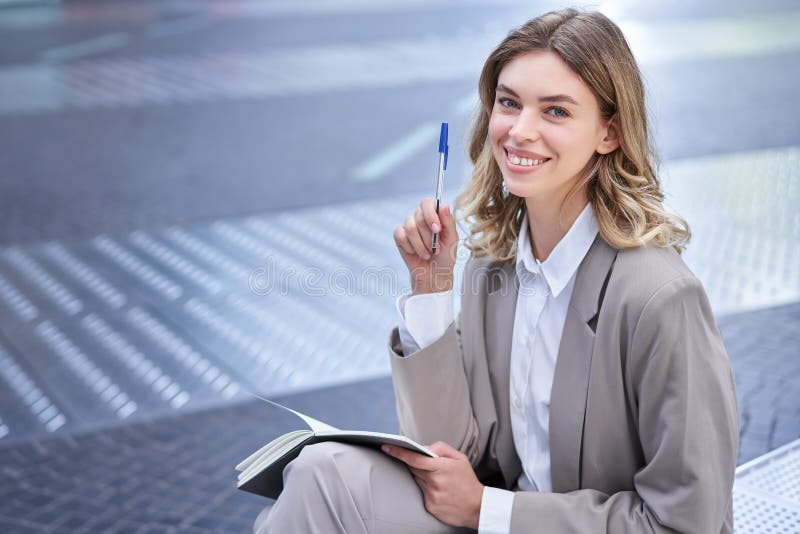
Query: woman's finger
[[448, 221], [445, 450], [422, 227], [428, 207], [410, 458], [401, 240], [414, 239]]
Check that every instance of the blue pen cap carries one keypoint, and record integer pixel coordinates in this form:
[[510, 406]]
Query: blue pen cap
[[443, 146]]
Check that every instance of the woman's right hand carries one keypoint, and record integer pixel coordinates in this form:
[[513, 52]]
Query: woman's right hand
[[429, 274]]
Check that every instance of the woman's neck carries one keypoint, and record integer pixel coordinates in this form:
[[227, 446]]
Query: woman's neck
[[548, 223]]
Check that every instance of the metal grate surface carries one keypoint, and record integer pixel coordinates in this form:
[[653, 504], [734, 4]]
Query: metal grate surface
[[766, 493], [140, 325]]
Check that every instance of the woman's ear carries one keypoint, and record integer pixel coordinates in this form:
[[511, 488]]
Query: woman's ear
[[610, 141]]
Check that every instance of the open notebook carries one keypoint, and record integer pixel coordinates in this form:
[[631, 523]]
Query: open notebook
[[262, 472]]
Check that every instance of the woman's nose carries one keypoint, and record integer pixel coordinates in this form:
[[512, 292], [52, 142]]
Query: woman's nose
[[525, 128]]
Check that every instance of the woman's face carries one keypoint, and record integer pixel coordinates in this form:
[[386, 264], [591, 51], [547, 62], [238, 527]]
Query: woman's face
[[544, 112]]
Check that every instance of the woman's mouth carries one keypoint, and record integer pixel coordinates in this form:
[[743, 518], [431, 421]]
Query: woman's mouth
[[523, 165]]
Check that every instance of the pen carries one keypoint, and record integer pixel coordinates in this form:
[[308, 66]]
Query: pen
[[443, 150]]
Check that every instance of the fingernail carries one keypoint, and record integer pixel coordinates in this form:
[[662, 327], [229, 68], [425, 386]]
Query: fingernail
[[385, 448], [435, 227], [427, 256]]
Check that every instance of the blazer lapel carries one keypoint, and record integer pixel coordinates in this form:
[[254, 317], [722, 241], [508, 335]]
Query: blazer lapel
[[501, 304], [573, 365]]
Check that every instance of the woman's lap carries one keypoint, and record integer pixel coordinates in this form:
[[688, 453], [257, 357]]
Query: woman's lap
[[351, 488]]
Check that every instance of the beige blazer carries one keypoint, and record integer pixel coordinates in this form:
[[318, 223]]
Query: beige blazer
[[644, 419]]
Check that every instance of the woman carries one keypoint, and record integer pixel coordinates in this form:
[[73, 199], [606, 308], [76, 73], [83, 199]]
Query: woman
[[585, 386]]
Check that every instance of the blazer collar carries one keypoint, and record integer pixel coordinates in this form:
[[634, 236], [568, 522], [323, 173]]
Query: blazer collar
[[573, 366], [501, 304], [571, 380]]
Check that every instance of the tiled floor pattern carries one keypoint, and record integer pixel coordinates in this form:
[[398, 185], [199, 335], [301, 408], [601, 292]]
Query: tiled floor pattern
[[123, 327], [177, 474]]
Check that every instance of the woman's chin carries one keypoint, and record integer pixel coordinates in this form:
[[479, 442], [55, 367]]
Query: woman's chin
[[519, 189], [529, 186]]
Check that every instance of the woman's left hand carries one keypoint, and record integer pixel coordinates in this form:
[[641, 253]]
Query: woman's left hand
[[453, 493]]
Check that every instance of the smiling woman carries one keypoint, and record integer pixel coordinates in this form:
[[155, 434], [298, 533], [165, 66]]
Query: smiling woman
[[584, 386], [571, 89]]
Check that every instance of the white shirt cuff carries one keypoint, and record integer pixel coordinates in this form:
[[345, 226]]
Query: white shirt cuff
[[495, 516], [423, 319]]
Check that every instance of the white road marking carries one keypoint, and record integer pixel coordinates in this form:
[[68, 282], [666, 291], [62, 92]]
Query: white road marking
[[424, 136], [696, 39]]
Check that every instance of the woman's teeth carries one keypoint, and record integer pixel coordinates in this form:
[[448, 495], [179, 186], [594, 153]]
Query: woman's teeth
[[525, 162]]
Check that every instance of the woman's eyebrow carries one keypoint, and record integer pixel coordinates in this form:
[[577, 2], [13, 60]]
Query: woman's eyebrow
[[551, 98]]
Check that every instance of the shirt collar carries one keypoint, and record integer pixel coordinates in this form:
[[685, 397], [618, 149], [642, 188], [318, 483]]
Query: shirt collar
[[565, 258]]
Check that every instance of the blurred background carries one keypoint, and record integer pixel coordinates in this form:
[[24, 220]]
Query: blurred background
[[197, 201]]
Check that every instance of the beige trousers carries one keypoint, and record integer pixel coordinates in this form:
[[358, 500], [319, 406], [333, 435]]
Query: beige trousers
[[338, 488]]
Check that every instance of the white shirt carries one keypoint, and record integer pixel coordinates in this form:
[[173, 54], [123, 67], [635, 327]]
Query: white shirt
[[544, 294]]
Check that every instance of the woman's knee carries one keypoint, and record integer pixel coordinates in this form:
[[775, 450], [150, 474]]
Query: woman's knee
[[321, 460], [355, 468], [316, 456]]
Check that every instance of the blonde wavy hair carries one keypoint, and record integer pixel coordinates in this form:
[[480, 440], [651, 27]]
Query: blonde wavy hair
[[621, 186]]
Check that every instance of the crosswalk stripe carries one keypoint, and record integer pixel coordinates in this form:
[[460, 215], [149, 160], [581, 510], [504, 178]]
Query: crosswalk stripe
[[742, 209]]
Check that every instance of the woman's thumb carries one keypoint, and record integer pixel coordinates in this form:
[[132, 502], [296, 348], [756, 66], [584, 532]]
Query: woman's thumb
[[447, 219]]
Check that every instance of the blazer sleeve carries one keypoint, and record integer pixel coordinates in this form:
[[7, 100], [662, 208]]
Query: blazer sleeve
[[684, 401], [432, 393], [443, 392]]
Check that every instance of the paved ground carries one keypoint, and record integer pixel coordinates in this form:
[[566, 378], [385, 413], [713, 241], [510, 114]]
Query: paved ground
[[124, 328], [164, 163], [120, 116], [176, 474]]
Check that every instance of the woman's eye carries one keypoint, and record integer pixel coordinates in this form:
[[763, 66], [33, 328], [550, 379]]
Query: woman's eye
[[554, 111], [502, 102], [560, 112]]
